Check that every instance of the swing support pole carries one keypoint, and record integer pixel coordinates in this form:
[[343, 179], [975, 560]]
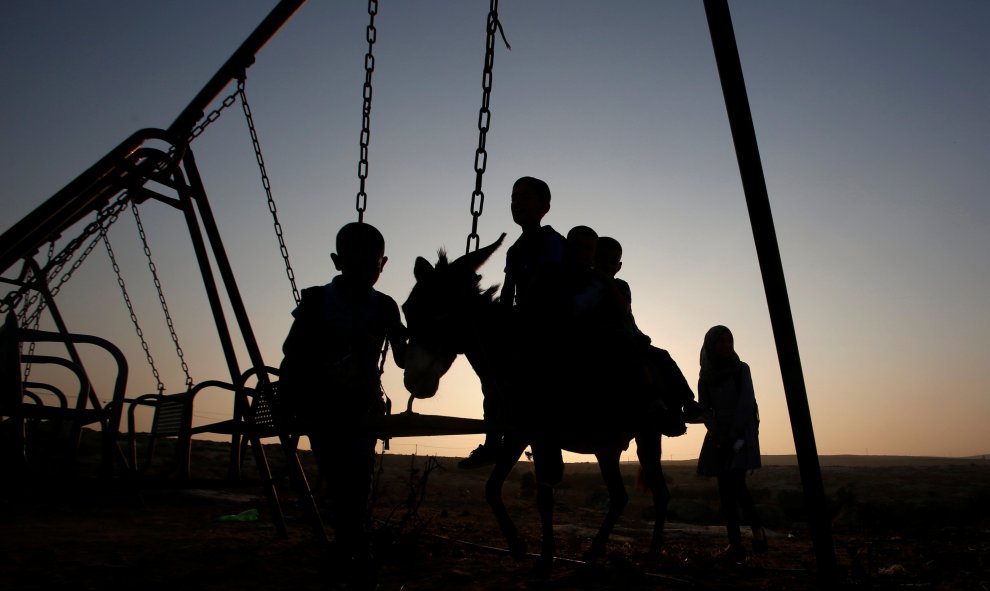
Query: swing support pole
[[768, 252]]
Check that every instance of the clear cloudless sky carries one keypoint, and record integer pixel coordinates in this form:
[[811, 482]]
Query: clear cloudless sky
[[873, 125]]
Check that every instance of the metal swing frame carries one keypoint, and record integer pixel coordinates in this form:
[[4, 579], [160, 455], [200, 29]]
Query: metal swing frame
[[127, 168], [124, 174]]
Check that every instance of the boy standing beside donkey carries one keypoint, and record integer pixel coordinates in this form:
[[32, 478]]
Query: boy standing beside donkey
[[331, 378]]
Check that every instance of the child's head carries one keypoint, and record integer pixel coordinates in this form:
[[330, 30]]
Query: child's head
[[581, 247], [530, 201], [360, 255], [608, 256]]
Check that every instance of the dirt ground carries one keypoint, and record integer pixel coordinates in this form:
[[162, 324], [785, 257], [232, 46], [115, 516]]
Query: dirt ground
[[897, 525]]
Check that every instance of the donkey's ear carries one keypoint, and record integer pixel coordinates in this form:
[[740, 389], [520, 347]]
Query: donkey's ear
[[422, 269], [474, 260]]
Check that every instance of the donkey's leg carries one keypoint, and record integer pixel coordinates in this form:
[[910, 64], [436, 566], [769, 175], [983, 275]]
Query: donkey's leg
[[549, 465], [508, 455], [618, 498], [648, 450]]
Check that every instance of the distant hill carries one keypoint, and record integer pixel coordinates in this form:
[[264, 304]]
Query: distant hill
[[857, 461], [826, 461], [832, 461]]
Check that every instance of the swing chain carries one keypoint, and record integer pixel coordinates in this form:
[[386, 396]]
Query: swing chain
[[361, 203], [30, 352], [215, 113], [130, 306], [22, 316], [161, 294], [266, 183], [52, 269], [484, 122], [37, 319], [104, 219]]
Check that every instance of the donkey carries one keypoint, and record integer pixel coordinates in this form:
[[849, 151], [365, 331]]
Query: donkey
[[448, 314]]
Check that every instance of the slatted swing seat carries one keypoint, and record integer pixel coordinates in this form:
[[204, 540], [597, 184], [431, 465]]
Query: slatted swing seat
[[171, 419], [266, 417], [171, 415], [258, 415]]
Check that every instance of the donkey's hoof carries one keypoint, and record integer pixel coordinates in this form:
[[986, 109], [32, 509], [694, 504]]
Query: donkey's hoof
[[517, 549]]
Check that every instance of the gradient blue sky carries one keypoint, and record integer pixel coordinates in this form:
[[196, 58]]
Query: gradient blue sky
[[872, 121]]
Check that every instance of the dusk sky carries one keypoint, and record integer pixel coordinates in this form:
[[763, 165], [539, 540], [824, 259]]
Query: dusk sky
[[873, 122]]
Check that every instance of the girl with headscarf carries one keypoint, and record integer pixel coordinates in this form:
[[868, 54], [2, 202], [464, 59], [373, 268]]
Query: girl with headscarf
[[731, 446]]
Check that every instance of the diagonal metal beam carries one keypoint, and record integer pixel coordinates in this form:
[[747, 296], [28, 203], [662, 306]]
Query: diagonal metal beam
[[94, 187], [768, 252], [234, 67]]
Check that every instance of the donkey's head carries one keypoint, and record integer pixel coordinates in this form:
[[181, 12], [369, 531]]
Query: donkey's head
[[442, 313]]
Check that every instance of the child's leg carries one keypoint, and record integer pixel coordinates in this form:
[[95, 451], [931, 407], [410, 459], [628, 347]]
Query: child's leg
[[347, 469], [752, 516], [728, 490], [746, 501]]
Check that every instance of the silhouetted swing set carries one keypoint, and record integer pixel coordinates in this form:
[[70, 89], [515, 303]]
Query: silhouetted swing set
[[158, 165]]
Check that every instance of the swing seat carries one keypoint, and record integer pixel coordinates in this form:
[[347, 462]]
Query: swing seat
[[172, 413], [255, 416], [258, 410], [39, 409], [171, 420], [22, 404]]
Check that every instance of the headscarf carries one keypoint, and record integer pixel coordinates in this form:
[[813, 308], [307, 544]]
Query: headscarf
[[714, 370]]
